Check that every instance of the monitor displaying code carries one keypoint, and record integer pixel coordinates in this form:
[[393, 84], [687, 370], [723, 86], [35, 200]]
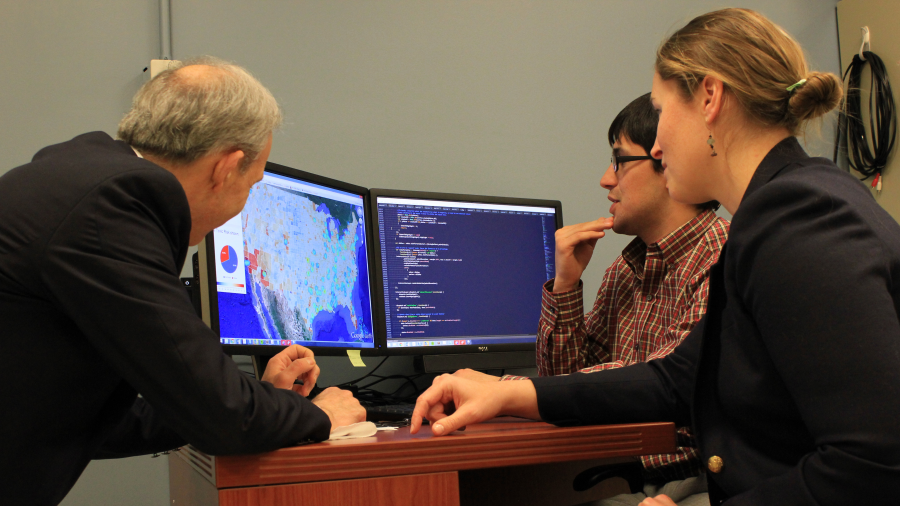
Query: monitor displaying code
[[292, 268], [463, 273]]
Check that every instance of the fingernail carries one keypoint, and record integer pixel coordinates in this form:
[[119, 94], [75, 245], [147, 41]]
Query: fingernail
[[438, 429], [308, 361]]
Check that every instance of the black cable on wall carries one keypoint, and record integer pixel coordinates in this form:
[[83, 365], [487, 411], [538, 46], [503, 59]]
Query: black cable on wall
[[851, 132]]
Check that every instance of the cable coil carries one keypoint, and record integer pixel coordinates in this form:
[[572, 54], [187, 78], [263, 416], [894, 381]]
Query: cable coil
[[851, 130]]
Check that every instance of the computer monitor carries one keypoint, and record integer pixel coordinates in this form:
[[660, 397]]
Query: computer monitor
[[291, 268], [462, 275]]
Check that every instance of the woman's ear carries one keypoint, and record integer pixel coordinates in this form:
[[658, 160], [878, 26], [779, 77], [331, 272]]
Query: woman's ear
[[711, 95]]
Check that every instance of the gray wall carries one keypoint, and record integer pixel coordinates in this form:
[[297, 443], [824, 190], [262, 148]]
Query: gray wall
[[494, 97]]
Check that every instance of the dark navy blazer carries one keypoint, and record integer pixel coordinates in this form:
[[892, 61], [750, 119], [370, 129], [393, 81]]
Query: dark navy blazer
[[92, 313], [792, 378]]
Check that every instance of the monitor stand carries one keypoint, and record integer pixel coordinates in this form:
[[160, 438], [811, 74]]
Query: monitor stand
[[477, 361], [259, 364]]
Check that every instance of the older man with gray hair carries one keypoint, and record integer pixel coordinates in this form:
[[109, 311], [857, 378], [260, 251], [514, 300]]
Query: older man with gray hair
[[93, 233]]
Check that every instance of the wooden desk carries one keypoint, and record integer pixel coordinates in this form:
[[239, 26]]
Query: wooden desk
[[397, 468]]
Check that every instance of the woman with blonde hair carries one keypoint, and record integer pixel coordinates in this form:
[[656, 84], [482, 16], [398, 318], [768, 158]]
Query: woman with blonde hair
[[791, 382]]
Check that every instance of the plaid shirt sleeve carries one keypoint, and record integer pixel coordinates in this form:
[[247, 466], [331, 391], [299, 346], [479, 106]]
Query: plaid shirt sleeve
[[568, 339]]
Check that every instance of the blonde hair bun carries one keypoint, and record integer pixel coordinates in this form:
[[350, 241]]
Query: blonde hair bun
[[820, 94], [756, 60]]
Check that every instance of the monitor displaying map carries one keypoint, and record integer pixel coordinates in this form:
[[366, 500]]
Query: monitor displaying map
[[291, 268]]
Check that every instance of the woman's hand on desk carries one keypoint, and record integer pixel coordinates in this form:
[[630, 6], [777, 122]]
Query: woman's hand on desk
[[340, 406], [453, 402], [476, 376], [660, 500], [293, 363]]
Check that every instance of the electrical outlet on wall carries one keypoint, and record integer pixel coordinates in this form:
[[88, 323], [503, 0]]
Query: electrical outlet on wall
[[157, 66]]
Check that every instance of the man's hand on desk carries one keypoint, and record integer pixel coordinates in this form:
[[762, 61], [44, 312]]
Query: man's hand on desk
[[340, 406], [481, 377], [293, 363], [453, 402]]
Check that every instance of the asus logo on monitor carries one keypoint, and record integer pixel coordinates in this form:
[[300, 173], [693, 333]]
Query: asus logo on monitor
[[482, 348]]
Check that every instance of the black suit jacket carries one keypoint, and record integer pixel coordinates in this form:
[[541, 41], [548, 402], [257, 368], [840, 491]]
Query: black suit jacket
[[92, 313], [793, 376]]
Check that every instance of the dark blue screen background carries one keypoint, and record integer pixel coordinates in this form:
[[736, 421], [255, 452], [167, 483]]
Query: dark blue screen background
[[494, 290]]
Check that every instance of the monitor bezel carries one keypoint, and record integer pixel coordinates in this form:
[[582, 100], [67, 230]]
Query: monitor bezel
[[374, 193], [271, 350]]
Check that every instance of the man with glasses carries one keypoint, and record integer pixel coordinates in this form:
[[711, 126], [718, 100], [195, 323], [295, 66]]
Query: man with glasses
[[652, 295]]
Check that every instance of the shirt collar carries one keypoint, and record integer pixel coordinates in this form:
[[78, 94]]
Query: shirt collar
[[673, 247], [138, 153]]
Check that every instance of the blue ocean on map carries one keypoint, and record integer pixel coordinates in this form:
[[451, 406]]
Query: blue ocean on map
[[333, 326]]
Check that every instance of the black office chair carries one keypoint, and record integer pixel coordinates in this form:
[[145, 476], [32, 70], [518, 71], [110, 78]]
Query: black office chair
[[632, 472]]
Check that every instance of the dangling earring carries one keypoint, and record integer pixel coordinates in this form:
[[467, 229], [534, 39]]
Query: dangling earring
[[712, 146]]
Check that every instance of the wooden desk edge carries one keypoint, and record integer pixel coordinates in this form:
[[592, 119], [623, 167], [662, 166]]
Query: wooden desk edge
[[494, 444]]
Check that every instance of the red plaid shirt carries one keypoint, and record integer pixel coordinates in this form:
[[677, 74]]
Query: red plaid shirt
[[650, 299]]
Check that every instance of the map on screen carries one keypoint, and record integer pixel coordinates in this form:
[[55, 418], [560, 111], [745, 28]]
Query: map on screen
[[304, 278]]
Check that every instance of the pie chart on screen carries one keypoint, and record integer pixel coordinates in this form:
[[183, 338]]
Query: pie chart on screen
[[228, 259]]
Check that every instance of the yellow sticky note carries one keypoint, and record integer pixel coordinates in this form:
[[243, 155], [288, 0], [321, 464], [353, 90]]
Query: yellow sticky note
[[355, 359]]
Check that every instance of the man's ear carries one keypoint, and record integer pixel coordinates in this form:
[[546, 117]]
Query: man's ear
[[711, 93], [226, 167]]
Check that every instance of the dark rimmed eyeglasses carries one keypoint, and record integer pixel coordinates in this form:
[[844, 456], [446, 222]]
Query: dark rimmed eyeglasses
[[617, 161]]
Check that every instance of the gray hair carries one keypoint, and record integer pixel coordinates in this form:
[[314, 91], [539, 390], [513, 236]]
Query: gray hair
[[181, 118]]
